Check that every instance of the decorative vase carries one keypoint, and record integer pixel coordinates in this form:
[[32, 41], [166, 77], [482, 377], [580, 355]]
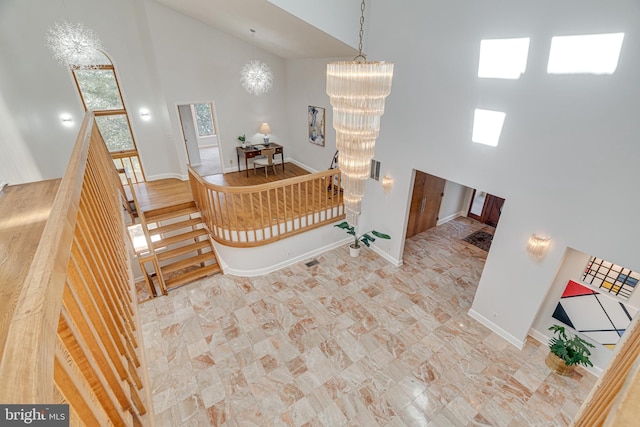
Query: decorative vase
[[558, 366], [354, 251]]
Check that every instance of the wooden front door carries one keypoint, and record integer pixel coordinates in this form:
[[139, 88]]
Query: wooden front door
[[491, 208], [425, 203]]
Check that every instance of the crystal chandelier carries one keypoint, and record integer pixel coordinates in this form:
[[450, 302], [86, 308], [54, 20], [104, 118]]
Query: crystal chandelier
[[256, 76], [357, 92], [74, 45]]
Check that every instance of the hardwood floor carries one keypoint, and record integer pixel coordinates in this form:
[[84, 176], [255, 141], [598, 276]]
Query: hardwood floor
[[237, 179], [24, 210], [165, 192]]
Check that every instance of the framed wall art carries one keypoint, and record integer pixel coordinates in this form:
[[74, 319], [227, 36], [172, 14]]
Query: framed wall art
[[316, 125], [595, 314]]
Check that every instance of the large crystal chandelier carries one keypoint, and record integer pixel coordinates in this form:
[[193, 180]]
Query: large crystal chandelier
[[357, 90], [256, 76], [74, 45]]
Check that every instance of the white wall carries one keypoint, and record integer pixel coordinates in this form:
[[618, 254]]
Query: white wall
[[306, 86], [567, 140], [35, 90], [455, 202], [339, 18], [199, 64]]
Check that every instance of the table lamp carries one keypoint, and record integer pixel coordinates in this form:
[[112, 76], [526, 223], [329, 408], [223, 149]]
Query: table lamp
[[266, 130]]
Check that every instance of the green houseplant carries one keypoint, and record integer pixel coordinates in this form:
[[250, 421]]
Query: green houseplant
[[567, 351], [242, 140], [365, 238]]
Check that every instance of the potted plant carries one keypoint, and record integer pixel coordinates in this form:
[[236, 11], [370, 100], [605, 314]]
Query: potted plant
[[567, 352], [242, 140], [365, 238]]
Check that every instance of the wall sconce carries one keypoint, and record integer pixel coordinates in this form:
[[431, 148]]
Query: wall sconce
[[145, 114], [387, 184], [538, 246], [67, 120]]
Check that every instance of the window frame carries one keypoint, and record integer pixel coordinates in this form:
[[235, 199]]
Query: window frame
[[115, 155]]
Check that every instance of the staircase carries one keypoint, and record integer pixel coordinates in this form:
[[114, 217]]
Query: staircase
[[181, 244]]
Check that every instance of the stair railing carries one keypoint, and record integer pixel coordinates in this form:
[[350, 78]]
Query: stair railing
[[150, 253], [74, 334], [260, 214]]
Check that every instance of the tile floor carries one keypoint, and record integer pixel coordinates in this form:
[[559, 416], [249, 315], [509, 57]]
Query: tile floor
[[350, 341]]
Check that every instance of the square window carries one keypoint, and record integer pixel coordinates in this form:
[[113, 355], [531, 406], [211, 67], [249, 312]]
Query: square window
[[503, 58], [487, 127], [588, 54]]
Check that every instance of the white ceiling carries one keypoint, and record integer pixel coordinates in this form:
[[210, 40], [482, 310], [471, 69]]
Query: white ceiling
[[276, 30]]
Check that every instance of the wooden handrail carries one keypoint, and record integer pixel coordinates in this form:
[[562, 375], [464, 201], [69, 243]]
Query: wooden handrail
[[74, 335], [613, 399], [264, 213]]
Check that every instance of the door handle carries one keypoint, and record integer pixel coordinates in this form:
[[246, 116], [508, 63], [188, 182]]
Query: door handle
[[423, 204]]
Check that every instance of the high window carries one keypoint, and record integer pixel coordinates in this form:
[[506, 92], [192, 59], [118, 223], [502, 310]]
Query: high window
[[487, 126], [503, 58], [588, 54], [100, 92]]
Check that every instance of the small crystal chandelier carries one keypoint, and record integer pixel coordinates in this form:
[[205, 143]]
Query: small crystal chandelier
[[74, 45], [357, 92], [256, 76]]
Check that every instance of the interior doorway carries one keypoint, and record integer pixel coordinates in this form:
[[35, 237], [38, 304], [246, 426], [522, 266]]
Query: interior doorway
[[200, 137], [485, 208], [426, 198]]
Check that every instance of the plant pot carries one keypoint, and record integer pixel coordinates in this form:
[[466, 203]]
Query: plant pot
[[558, 366], [354, 251]]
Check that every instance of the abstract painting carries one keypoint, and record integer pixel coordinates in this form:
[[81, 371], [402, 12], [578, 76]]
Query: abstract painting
[[596, 315], [316, 125]]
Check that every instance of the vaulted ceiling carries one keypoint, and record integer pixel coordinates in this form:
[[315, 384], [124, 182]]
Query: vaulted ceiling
[[277, 31]]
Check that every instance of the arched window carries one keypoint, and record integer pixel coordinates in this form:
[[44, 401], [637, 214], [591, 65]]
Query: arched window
[[99, 90]]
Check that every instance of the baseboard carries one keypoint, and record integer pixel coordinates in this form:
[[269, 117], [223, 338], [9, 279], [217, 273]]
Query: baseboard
[[497, 329], [283, 264], [450, 217], [302, 165], [392, 260], [167, 176]]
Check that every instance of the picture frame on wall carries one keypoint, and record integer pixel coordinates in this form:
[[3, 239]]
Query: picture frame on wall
[[316, 125]]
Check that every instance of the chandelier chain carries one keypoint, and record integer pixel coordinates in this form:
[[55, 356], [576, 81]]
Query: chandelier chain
[[361, 34]]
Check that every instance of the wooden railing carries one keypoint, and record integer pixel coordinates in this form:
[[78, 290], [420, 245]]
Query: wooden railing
[[260, 214], [130, 163], [74, 335], [613, 401]]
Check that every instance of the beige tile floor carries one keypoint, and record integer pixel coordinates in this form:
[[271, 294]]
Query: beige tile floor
[[350, 341]]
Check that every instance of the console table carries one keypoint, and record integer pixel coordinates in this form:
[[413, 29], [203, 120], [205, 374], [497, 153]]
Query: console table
[[251, 152]]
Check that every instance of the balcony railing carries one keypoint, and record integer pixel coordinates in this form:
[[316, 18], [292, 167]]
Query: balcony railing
[[74, 335], [260, 214]]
